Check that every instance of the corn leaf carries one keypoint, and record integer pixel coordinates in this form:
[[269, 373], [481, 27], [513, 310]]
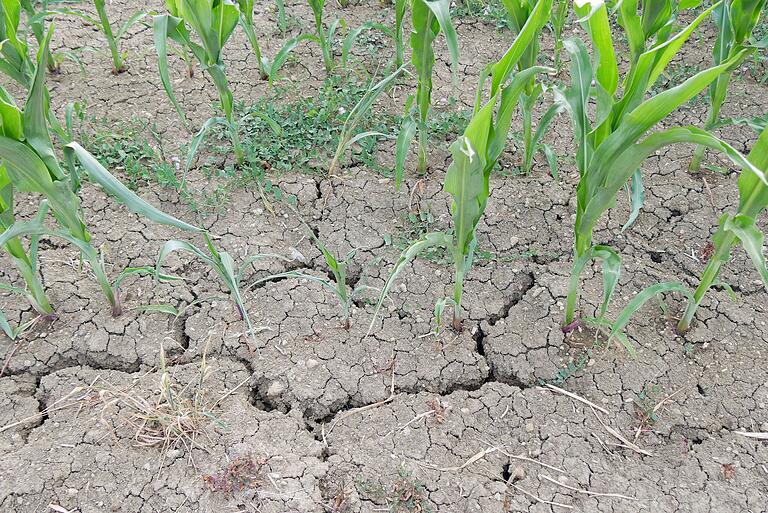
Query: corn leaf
[[112, 186]]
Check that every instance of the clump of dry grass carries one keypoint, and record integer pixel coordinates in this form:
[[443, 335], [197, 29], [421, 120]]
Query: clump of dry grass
[[178, 417]]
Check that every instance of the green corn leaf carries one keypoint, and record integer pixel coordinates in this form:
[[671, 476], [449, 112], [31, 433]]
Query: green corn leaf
[[284, 52], [112, 186], [404, 140], [36, 115], [6, 327], [441, 9], [623, 164], [637, 198], [28, 173], [611, 273], [197, 140], [595, 18], [465, 182], [745, 229], [428, 241], [163, 26], [575, 100], [505, 67], [637, 302], [640, 120]]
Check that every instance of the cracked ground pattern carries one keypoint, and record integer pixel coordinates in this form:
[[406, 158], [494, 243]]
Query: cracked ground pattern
[[342, 421]]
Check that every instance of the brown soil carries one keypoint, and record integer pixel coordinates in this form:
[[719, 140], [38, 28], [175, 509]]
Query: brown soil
[[334, 420]]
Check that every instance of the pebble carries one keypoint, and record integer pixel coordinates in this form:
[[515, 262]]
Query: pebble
[[275, 389], [312, 363]]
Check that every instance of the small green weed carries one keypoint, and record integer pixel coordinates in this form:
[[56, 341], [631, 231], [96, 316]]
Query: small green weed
[[406, 495]]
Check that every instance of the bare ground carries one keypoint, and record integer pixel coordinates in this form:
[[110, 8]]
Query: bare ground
[[335, 420]]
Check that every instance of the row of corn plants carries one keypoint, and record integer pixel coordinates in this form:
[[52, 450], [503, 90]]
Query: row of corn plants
[[612, 110]]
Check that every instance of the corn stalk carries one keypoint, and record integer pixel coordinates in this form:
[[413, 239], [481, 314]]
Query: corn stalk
[[735, 20], [429, 19], [738, 227], [610, 151], [475, 154], [213, 21]]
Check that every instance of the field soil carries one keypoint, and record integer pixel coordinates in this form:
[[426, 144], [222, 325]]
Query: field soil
[[309, 416]]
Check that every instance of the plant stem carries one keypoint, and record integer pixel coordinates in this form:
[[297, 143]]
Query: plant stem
[[31, 278], [117, 61], [527, 135], [581, 249], [423, 138], [708, 277]]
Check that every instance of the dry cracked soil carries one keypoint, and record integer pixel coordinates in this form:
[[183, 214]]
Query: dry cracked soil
[[309, 416]]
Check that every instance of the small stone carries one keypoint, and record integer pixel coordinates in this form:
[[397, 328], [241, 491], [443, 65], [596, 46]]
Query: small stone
[[312, 363], [71, 491], [513, 241], [275, 389], [530, 428], [173, 454]]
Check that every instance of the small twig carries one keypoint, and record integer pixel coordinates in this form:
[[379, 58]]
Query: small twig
[[538, 499], [480, 455], [626, 443], [587, 492], [361, 409], [415, 419], [576, 397], [758, 436]]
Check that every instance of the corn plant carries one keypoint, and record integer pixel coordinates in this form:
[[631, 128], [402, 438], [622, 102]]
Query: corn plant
[[738, 227], [520, 11], [36, 22], [429, 18], [268, 68], [28, 163], [213, 21], [338, 285], [223, 264], [735, 20], [113, 38], [475, 154], [103, 24], [611, 151], [15, 61], [323, 38]]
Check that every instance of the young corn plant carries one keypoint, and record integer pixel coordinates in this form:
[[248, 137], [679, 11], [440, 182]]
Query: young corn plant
[[223, 264], [103, 24], [611, 150], [268, 68], [15, 61], [738, 227], [321, 37], [338, 285], [36, 22], [429, 19], [213, 21], [113, 38], [475, 154], [29, 164], [520, 12], [735, 20]]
